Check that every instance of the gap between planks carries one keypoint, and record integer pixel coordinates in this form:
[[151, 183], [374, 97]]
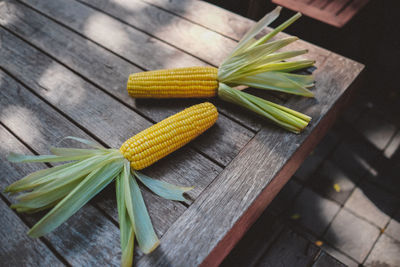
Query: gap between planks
[[13, 140], [246, 121], [40, 243], [124, 10], [122, 96], [65, 123], [240, 176], [192, 194]]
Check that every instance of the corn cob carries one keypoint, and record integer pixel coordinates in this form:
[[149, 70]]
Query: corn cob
[[66, 188], [253, 63], [174, 83], [159, 140]]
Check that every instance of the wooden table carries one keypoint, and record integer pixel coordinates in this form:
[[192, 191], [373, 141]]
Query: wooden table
[[63, 69], [334, 12]]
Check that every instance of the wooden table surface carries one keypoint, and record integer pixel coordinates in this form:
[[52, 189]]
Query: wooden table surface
[[63, 70]]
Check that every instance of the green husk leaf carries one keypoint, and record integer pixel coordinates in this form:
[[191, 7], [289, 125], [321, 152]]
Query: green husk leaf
[[258, 52], [303, 80], [163, 189], [31, 178], [286, 114], [84, 141], [35, 200], [75, 175], [275, 66], [258, 64], [140, 219], [18, 158], [71, 171], [276, 57], [295, 113], [276, 81], [236, 64], [68, 152], [256, 29], [33, 210], [126, 229], [277, 30], [284, 117], [88, 188]]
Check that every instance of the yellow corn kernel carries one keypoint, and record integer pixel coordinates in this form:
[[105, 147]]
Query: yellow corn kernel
[[174, 83], [162, 138]]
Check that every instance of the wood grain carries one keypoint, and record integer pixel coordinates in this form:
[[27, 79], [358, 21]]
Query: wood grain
[[106, 31], [40, 126], [321, 4], [209, 16], [87, 238], [335, 6], [242, 191], [105, 119], [336, 12], [17, 248], [75, 15], [226, 22], [192, 38], [178, 32], [110, 72], [25, 114], [69, 58], [352, 9]]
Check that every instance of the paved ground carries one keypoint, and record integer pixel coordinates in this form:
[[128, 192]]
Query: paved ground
[[347, 192], [346, 196]]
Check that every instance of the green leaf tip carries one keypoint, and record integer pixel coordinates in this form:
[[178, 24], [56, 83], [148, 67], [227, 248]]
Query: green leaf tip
[[260, 64], [163, 189], [65, 188], [286, 118], [92, 184], [136, 209]]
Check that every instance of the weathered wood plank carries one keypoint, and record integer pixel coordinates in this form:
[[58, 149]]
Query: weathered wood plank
[[335, 6], [83, 55], [321, 4], [109, 71], [17, 248], [248, 195], [71, 16], [307, 10], [290, 250], [250, 182], [351, 10], [178, 32], [41, 126], [336, 13], [126, 7], [226, 23], [106, 119], [87, 238], [210, 16], [192, 38], [75, 15], [68, 92]]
